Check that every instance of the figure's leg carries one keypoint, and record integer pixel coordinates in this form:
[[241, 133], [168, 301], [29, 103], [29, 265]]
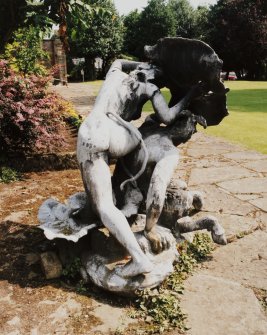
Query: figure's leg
[[97, 179], [132, 200], [186, 225], [160, 179]]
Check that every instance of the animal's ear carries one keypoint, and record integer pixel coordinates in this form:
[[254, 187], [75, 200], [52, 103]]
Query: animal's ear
[[226, 90]]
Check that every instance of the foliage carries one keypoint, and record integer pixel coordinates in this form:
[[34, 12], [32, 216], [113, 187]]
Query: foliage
[[132, 32], [15, 14], [30, 117], [72, 269], [201, 18], [184, 17], [161, 308], [238, 32], [98, 36], [7, 175], [25, 53], [154, 22]]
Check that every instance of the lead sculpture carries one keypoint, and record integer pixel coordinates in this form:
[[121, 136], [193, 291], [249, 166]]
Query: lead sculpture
[[126, 226]]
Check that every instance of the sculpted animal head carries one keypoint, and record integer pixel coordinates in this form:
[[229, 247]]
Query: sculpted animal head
[[185, 62], [211, 106]]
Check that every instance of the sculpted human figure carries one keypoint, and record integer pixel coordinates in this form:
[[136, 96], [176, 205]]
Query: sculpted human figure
[[151, 187], [106, 132]]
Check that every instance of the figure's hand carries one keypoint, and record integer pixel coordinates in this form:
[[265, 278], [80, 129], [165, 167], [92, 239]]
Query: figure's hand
[[201, 120], [159, 239]]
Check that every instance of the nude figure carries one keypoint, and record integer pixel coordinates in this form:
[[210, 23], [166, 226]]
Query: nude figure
[[150, 189], [106, 132]]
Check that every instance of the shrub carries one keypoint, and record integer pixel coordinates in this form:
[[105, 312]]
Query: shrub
[[25, 54], [7, 175], [31, 118]]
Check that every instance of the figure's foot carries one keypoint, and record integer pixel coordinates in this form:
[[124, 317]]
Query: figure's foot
[[217, 232], [219, 239], [159, 239], [134, 268], [197, 200]]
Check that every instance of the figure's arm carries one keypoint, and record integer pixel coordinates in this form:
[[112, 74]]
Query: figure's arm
[[159, 182], [124, 65], [165, 114]]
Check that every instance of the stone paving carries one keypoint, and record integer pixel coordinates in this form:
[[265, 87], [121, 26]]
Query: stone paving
[[225, 295], [219, 298]]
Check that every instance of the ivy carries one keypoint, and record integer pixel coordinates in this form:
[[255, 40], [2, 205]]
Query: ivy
[[160, 308]]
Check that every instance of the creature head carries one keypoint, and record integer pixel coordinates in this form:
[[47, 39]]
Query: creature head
[[211, 106], [149, 73], [183, 128], [184, 61]]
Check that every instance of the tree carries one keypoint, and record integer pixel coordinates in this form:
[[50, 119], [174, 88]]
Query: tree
[[99, 35], [238, 32], [183, 13], [15, 14], [201, 16], [25, 53], [132, 32], [154, 22]]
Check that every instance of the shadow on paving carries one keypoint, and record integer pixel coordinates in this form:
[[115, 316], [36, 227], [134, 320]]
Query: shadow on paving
[[19, 243]]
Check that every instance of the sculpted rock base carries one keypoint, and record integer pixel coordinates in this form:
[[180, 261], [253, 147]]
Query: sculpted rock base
[[103, 258], [102, 265]]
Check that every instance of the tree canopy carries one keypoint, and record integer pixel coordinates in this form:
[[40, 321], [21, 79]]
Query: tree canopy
[[15, 14], [238, 32], [154, 22], [96, 35]]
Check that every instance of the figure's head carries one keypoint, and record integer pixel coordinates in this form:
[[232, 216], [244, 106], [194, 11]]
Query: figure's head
[[185, 126], [150, 73], [211, 106]]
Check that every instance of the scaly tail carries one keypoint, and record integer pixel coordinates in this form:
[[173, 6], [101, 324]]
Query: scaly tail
[[139, 137]]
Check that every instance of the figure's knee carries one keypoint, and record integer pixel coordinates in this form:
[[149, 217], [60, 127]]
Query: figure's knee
[[197, 200]]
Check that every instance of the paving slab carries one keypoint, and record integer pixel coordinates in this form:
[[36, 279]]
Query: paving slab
[[201, 151], [248, 185], [234, 225], [260, 203], [244, 155], [213, 175], [218, 306], [219, 200], [243, 261], [247, 197], [259, 165]]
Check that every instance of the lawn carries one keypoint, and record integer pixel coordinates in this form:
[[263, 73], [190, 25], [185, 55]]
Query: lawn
[[247, 122]]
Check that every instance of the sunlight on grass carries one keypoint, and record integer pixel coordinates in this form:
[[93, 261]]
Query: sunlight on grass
[[247, 122], [96, 84]]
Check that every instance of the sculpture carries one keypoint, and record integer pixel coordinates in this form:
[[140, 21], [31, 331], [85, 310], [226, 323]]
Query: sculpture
[[146, 161]]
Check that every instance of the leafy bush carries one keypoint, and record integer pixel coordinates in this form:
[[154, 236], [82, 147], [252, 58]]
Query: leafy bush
[[160, 308], [31, 118], [25, 54], [7, 175]]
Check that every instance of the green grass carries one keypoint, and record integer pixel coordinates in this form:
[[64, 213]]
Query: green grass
[[247, 122]]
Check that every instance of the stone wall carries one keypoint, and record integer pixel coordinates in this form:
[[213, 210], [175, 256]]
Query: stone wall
[[57, 54]]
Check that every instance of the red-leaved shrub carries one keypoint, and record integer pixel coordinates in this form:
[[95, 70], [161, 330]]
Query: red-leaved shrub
[[31, 118]]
